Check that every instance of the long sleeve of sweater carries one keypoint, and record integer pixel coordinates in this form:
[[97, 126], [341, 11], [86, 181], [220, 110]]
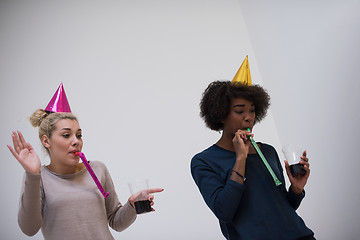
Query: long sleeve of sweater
[[294, 199], [119, 216], [222, 197], [30, 206]]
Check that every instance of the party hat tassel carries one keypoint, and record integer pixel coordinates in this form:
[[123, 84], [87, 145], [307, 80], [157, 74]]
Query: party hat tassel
[[243, 74]]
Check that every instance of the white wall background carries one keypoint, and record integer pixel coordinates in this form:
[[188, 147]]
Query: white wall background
[[134, 72]]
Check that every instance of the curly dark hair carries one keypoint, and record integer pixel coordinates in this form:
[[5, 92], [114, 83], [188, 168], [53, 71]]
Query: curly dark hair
[[216, 99]]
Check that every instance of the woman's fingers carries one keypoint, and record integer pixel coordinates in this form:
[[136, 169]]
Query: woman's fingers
[[155, 190], [18, 141], [304, 163], [20, 157], [20, 146], [244, 135], [304, 160], [304, 153], [307, 168], [22, 139], [239, 137], [287, 168], [28, 145], [15, 142], [14, 153], [151, 197]]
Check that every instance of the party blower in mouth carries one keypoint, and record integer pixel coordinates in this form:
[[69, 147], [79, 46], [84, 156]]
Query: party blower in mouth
[[87, 165], [276, 180]]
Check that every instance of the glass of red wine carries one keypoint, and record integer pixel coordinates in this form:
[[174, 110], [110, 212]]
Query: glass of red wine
[[141, 190], [292, 153]]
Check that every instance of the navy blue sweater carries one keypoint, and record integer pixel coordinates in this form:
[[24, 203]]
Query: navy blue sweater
[[256, 209]]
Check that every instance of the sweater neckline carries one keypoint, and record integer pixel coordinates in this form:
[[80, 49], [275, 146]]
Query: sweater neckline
[[66, 176], [226, 150]]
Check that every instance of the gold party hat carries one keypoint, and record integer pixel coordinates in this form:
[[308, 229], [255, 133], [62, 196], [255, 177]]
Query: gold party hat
[[243, 74]]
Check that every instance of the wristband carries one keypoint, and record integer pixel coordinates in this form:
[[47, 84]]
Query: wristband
[[244, 178]]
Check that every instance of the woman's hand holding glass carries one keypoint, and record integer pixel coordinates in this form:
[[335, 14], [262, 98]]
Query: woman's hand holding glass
[[298, 182], [144, 195]]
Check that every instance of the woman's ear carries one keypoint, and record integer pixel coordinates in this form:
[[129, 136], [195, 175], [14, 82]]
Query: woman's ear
[[45, 141]]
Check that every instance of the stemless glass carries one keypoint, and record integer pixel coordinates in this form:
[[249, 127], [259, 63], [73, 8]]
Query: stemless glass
[[292, 153], [141, 190]]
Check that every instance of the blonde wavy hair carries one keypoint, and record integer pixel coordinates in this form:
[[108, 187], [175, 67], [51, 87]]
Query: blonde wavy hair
[[46, 121]]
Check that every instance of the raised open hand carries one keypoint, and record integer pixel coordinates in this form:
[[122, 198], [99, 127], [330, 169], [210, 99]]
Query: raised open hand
[[25, 153]]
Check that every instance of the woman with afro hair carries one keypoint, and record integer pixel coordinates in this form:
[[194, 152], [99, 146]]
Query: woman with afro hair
[[231, 177]]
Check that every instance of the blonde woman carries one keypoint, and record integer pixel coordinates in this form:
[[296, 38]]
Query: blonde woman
[[62, 198]]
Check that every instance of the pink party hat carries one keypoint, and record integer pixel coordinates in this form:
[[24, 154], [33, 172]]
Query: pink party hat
[[59, 102]]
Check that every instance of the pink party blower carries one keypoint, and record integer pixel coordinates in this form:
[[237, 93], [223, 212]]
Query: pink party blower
[[87, 165]]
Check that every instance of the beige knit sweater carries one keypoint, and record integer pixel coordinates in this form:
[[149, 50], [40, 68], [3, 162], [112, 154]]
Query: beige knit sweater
[[71, 206]]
